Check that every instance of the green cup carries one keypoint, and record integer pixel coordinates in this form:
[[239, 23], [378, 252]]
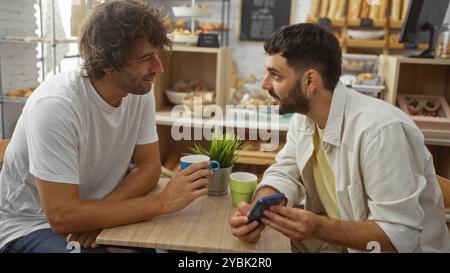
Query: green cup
[[242, 187]]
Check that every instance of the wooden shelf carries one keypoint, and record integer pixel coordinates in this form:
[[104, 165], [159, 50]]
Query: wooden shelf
[[252, 154], [379, 44], [396, 24], [402, 46], [255, 161], [270, 155], [36, 39], [348, 43], [403, 60], [396, 46], [210, 66], [334, 22], [440, 138], [195, 49]]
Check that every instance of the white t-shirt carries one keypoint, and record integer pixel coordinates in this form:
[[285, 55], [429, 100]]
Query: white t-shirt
[[68, 134]]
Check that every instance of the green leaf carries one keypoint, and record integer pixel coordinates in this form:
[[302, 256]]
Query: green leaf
[[222, 149]]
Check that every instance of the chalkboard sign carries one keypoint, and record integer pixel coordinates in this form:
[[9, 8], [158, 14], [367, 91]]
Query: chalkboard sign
[[260, 18], [208, 40]]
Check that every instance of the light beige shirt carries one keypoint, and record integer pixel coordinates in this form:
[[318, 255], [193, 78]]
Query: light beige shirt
[[383, 171]]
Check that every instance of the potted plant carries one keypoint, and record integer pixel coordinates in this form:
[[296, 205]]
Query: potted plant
[[222, 149]]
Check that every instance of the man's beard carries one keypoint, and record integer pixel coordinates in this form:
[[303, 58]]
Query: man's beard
[[296, 102], [132, 84]]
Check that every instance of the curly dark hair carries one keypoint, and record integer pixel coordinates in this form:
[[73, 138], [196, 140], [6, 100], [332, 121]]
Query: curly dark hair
[[307, 46], [109, 33]]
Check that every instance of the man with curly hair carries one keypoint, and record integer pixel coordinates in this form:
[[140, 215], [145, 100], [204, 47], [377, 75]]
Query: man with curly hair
[[65, 173]]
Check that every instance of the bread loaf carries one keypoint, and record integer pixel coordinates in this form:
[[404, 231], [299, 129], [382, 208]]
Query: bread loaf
[[395, 10], [365, 9], [383, 9], [315, 4], [339, 14], [332, 8], [404, 9], [374, 12], [354, 8], [324, 8]]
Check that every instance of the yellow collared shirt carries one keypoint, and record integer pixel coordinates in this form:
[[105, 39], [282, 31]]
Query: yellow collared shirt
[[324, 177]]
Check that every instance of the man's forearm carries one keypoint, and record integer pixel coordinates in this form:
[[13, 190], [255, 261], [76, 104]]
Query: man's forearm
[[353, 234], [88, 215], [137, 183]]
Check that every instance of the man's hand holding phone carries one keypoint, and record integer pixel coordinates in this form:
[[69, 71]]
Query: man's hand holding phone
[[241, 227], [265, 203]]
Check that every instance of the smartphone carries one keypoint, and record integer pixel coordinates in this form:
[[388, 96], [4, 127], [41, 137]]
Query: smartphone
[[264, 203]]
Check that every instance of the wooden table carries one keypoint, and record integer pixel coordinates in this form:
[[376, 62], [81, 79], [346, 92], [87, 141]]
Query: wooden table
[[200, 227]]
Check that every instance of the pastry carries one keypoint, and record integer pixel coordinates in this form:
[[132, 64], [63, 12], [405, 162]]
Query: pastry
[[24, 92], [180, 24], [414, 107], [431, 106], [15, 93]]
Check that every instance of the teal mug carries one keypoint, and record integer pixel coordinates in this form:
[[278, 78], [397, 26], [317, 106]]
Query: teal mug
[[188, 160]]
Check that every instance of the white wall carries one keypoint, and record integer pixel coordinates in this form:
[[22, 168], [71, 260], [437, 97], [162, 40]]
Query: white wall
[[18, 60]]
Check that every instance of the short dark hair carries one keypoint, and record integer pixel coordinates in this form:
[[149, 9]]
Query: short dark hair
[[307, 46], [109, 33]]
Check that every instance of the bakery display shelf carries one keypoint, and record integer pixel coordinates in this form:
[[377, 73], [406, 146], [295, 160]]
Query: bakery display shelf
[[439, 138], [358, 43], [36, 39], [402, 46], [195, 49], [11, 99], [395, 24]]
